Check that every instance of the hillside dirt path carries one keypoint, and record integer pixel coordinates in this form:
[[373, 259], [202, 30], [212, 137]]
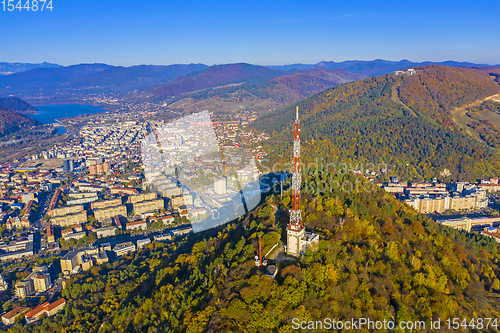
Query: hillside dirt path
[[460, 117], [395, 98]]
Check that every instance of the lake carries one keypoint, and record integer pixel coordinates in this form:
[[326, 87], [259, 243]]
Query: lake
[[47, 114]]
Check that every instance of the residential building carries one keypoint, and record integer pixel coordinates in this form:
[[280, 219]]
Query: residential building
[[65, 210], [27, 197], [83, 200], [165, 219], [90, 188], [124, 248], [24, 288], [171, 192], [163, 237], [105, 204], [68, 165], [17, 223], [50, 234], [110, 212], [181, 230], [70, 219], [136, 225], [181, 200], [124, 190], [143, 242], [9, 318], [41, 282], [3, 285], [220, 185], [105, 231], [74, 235], [141, 197], [148, 206], [48, 309]]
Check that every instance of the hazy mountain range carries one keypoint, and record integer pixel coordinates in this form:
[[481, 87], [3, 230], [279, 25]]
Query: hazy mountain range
[[7, 68], [35, 82], [374, 67]]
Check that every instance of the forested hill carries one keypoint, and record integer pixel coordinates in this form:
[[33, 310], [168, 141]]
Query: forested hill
[[11, 121], [403, 120], [377, 259], [16, 104], [228, 89], [212, 77]]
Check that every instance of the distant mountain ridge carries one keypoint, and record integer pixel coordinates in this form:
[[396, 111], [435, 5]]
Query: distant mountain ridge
[[7, 68], [373, 67], [46, 80], [256, 93], [213, 77], [82, 79], [126, 79], [76, 82]]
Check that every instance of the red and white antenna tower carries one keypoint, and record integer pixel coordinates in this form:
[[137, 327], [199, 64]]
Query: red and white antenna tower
[[296, 223]]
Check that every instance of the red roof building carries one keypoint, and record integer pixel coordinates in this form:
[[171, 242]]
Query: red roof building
[[45, 308]]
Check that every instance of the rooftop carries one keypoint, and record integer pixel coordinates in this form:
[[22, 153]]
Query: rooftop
[[13, 313]]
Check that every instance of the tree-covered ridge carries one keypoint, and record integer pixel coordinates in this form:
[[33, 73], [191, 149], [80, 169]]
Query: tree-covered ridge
[[436, 90], [259, 94], [369, 122], [16, 104], [11, 121], [377, 259], [213, 77]]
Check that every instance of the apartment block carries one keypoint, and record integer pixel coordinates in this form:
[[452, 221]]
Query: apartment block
[[141, 197], [41, 282], [65, 210], [106, 204], [109, 212], [105, 231], [70, 219], [148, 206]]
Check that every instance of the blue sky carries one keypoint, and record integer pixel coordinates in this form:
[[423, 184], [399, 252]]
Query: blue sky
[[267, 32]]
